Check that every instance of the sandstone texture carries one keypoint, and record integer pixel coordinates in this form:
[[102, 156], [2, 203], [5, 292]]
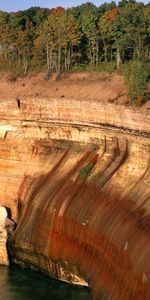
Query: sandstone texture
[[76, 177], [3, 237]]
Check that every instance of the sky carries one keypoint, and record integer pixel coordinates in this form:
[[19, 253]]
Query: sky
[[15, 5]]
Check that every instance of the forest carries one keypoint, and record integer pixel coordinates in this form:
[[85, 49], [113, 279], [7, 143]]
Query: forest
[[78, 38]]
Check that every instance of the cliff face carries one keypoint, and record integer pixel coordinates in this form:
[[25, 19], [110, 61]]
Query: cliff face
[[3, 237], [76, 178]]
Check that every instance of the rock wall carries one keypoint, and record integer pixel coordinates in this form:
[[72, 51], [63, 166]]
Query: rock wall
[[76, 177], [3, 237], [73, 112]]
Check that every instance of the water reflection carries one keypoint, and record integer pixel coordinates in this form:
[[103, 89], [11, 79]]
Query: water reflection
[[18, 284]]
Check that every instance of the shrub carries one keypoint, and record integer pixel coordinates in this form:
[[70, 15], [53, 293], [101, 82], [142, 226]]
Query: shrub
[[108, 67], [83, 173], [79, 68], [136, 79], [14, 74]]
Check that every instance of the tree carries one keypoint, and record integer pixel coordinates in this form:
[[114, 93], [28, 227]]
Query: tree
[[106, 31], [125, 28], [57, 38], [85, 34], [26, 44], [136, 79], [5, 35], [132, 23], [88, 16]]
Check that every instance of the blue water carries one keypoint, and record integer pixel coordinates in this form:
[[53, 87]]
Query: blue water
[[22, 284]]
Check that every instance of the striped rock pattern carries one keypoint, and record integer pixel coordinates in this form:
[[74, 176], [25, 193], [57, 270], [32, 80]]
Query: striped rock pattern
[[77, 180]]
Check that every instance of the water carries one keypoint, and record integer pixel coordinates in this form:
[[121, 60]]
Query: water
[[18, 284]]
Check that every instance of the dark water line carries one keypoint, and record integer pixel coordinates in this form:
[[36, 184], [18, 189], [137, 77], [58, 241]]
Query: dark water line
[[23, 284]]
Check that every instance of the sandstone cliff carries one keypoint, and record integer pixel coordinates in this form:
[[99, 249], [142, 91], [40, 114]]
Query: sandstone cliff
[[3, 237], [76, 177]]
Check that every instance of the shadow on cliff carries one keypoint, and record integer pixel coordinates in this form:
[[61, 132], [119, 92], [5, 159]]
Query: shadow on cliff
[[70, 227], [10, 228]]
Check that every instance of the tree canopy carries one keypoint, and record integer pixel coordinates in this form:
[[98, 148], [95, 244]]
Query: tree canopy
[[59, 39]]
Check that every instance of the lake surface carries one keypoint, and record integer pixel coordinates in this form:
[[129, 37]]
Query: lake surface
[[22, 284]]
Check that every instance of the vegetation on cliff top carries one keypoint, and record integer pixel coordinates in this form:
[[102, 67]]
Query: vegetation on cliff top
[[85, 37]]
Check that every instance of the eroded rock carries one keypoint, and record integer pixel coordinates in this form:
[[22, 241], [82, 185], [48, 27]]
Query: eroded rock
[[3, 237], [78, 223], [7, 227]]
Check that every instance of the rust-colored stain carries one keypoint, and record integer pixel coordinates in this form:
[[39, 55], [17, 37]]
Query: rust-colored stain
[[75, 218]]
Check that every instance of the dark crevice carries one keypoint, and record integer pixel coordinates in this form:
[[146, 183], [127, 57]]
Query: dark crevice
[[18, 102]]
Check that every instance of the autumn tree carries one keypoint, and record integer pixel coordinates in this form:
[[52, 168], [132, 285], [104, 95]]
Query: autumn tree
[[85, 34], [5, 34], [126, 30], [56, 40]]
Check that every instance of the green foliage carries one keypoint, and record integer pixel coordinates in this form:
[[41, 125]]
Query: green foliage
[[79, 68], [56, 39], [84, 172], [83, 38], [136, 78], [108, 67]]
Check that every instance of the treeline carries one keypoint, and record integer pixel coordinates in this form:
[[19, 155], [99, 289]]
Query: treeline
[[61, 40]]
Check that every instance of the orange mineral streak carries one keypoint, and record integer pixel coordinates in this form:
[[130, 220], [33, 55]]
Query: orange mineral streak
[[74, 221], [76, 176]]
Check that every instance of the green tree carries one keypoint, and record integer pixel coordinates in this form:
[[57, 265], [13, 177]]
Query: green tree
[[26, 38], [136, 79], [132, 24], [126, 30], [57, 38], [86, 34], [106, 31], [88, 16]]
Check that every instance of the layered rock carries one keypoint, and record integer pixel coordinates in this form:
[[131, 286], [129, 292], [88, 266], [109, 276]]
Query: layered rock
[[76, 178], [3, 237], [68, 111]]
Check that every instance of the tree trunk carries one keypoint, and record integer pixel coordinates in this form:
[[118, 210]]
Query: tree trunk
[[97, 53], [47, 58], [139, 48], [65, 59], [118, 57], [71, 54], [68, 59], [105, 52], [90, 52], [50, 61], [25, 64], [59, 59]]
